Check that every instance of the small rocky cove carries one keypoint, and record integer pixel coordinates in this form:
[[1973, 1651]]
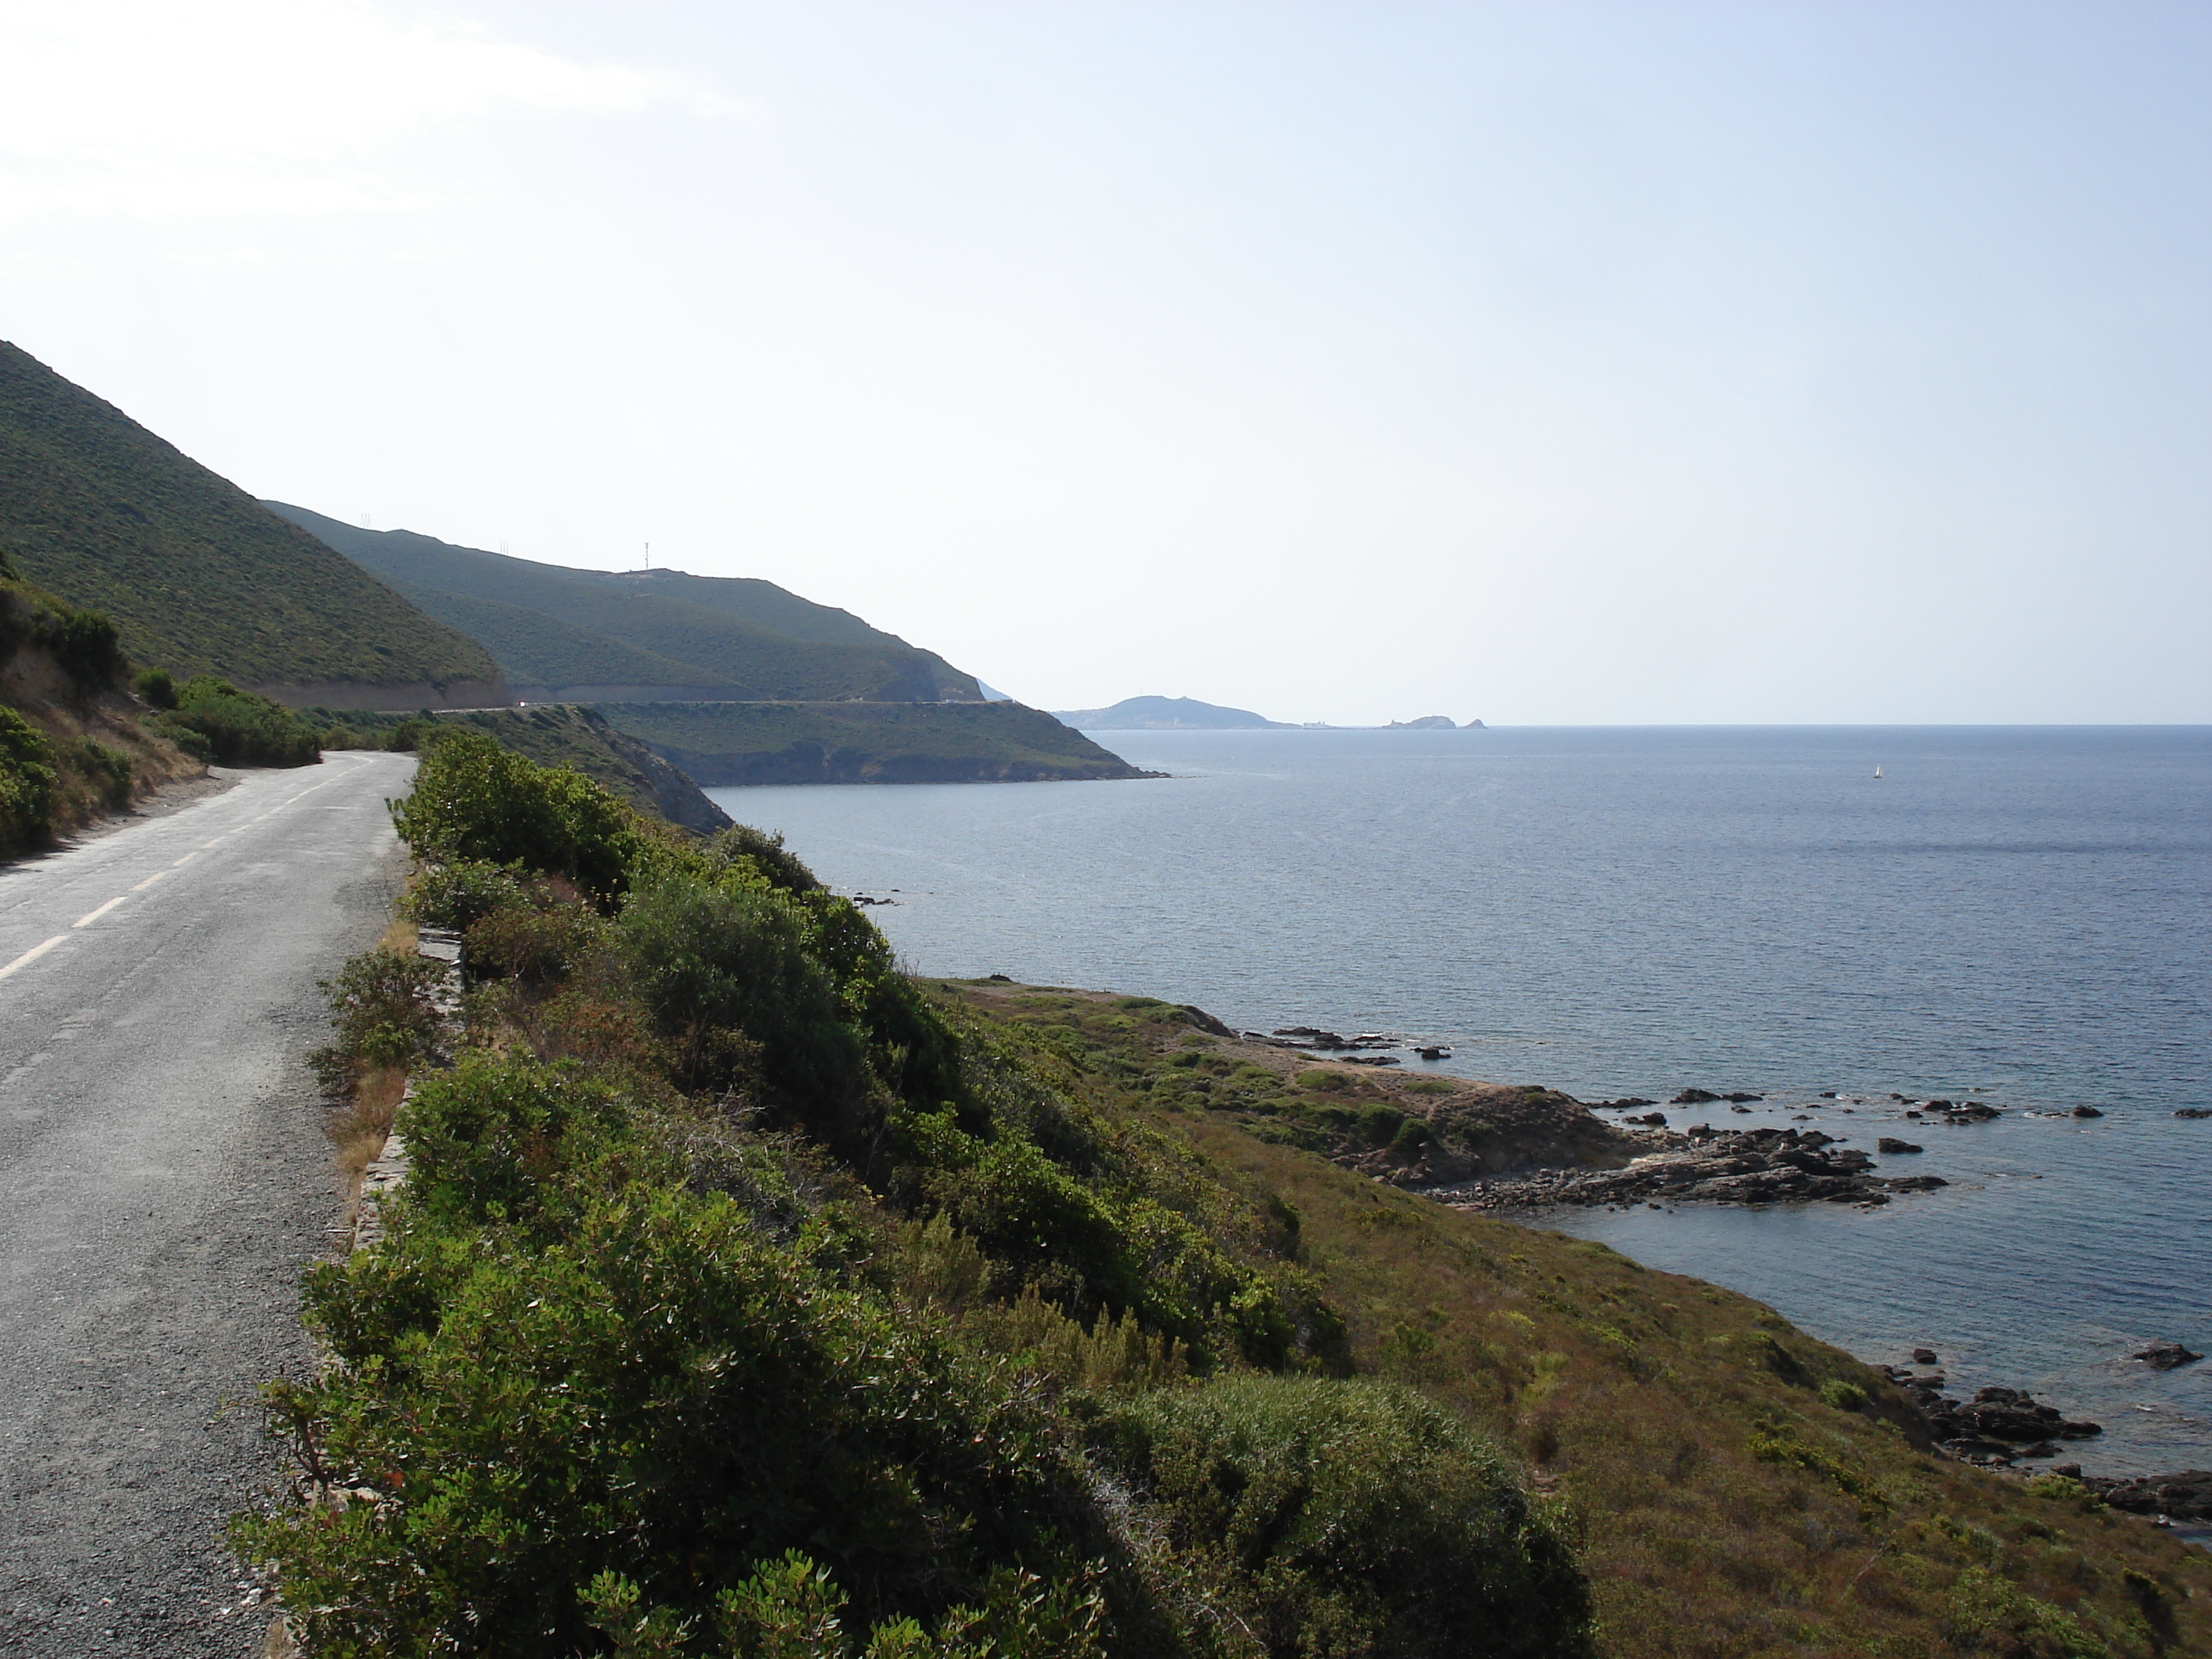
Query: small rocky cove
[[2009, 1428]]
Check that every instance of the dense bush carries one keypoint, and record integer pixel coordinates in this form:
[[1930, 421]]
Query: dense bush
[[534, 946], [383, 1008], [726, 970], [474, 800], [157, 686], [782, 866], [1344, 1518], [555, 1370], [86, 645], [240, 728], [26, 781], [107, 770], [454, 895]]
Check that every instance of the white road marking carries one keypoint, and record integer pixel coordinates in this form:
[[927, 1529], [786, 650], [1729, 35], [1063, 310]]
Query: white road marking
[[32, 955], [95, 915], [188, 858], [157, 876]]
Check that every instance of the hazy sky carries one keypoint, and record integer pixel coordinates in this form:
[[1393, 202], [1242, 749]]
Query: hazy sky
[[1538, 361]]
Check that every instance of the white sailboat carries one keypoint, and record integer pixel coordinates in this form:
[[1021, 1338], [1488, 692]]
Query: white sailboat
[[1877, 771]]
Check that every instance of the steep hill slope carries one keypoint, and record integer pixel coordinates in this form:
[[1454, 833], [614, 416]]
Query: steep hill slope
[[571, 635], [72, 747], [198, 576]]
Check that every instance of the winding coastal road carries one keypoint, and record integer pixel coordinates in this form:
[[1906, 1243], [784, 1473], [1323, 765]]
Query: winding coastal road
[[163, 1179]]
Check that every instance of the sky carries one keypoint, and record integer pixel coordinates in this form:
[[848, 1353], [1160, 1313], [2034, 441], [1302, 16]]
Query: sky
[[1539, 362]]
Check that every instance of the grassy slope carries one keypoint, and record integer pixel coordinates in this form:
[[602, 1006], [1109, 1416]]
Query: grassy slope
[[1726, 1509], [740, 633], [536, 649], [198, 575], [743, 743], [31, 684]]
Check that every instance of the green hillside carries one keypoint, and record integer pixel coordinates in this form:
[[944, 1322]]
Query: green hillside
[[758, 743], [199, 577], [537, 651], [568, 635]]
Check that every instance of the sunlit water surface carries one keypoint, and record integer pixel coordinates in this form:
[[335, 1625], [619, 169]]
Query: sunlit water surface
[[2022, 916]]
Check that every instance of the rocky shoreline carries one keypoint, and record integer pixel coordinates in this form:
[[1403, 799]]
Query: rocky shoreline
[[2002, 1428], [1707, 1165]]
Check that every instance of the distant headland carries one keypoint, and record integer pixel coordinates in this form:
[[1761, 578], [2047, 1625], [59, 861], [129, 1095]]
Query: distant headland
[[1189, 714]]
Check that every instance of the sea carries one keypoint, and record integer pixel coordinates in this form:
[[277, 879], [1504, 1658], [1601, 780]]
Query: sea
[[2021, 916]]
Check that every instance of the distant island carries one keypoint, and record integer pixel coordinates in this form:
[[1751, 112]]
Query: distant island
[[1166, 714], [1189, 714]]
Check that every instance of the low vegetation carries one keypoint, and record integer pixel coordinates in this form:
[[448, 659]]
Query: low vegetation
[[743, 1301], [1738, 1488], [215, 721], [751, 1298], [763, 743]]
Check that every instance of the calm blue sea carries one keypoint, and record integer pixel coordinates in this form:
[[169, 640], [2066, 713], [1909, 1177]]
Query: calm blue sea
[[2018, 915]]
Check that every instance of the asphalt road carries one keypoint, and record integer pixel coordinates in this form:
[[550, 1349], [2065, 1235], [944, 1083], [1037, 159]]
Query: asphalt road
[[163, 1179]]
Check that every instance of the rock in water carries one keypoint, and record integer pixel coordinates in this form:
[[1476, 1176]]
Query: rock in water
[[2086, 1111], [1923, 1356], [1890, 1144], [2164, 1356], [1693, 1097]]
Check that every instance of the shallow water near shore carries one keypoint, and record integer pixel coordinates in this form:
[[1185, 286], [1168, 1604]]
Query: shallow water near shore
[[2016, 916]]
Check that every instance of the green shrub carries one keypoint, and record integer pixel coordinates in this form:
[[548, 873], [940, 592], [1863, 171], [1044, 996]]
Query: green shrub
[[791, 1608], [2065, 1489], [780, 866], [532, 944], [658, 1394], [86, 645], [107, 770], [1413, 1134], [1333, 1518], [157, 686], [491, 1140], [474, 800], [718, 962], [1381, 1124], [454, 895], [1843, 1396], [1989, 1613], [27, 782], [381, 1006], [240, 728]]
